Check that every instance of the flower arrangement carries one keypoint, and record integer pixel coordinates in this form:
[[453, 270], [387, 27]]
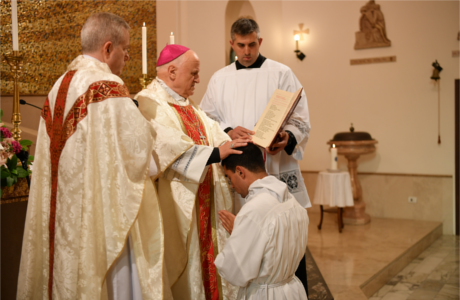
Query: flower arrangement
[[10, 149]]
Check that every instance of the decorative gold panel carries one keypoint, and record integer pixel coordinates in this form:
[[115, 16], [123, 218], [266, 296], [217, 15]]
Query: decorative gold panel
[[49, 39]]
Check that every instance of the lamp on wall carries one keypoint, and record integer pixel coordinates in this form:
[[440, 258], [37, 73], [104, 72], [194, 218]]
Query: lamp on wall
[[298, 53], [298, 35]]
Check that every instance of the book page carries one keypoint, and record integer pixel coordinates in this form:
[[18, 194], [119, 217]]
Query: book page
[[273, 116]]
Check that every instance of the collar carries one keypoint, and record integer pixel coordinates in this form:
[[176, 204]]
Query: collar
[[90, 57], [171, 93], [257, 64], [82, 62]]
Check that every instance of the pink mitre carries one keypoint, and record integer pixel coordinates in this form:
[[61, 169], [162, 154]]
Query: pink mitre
[[170, 53]]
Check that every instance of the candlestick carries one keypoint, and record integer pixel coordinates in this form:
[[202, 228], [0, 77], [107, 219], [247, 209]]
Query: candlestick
[[333, 157], [14, 24], [144, 49], [15, 62], [171, 39], [144, 80]]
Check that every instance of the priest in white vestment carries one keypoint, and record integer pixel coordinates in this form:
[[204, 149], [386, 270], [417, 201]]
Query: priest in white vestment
[[269, 235], [191, 185], [91, 192]]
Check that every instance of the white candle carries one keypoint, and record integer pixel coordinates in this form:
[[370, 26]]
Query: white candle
[[144, 49], [171, 39], [333, 157], [14, 24]]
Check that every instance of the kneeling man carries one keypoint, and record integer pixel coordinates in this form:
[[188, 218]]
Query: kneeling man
[[269, 234]]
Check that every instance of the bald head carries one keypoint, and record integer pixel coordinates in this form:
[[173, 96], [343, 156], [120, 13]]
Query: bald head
[[181, 74]]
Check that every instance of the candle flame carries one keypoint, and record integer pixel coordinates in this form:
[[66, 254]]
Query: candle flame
[[296, 37], [171, 33], [333, 145], [144, 24]]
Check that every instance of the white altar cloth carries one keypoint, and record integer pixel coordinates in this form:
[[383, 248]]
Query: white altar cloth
[[333, 189]]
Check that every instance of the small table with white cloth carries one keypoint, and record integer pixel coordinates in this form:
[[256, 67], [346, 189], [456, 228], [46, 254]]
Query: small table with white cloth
[[333, 188]]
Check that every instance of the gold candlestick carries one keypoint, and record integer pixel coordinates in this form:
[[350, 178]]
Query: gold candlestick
[[15, 61], [144, 81]]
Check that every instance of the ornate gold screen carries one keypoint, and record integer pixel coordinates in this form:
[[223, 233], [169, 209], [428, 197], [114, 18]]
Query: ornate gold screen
[[49, 39]]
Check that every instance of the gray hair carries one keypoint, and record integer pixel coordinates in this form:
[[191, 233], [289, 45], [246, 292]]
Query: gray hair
[[244, 26], [101, 28]]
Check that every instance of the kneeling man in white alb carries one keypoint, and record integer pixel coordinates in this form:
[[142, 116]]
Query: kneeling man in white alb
[[268, 236]]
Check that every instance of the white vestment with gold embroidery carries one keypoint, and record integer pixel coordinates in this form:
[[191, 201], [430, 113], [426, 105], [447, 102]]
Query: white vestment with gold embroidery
[[103, 194], [182, 166]]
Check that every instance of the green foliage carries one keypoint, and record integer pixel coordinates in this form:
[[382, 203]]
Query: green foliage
[[25, 144], [12, 163], [11, 173]]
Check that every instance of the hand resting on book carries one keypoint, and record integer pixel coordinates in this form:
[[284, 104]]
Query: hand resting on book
[[240, 132]]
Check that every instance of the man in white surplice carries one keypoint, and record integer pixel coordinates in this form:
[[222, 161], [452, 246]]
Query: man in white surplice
[[268, 236], [237, 96]]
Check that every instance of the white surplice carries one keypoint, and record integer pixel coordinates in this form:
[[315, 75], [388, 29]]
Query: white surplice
[[239, 97], [268, 241]]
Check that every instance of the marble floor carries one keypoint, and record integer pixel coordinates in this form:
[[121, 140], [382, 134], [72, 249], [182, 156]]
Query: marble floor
[[356, 263], [432, 275]]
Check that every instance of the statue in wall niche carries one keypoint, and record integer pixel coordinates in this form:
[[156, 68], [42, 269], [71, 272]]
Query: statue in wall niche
[[372, 32]]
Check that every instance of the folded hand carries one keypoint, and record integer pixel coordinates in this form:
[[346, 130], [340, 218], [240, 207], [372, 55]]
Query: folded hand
[[227, 220]]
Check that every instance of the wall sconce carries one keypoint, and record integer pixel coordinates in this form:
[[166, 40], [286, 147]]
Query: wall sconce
[[298, 53], [298, 35]]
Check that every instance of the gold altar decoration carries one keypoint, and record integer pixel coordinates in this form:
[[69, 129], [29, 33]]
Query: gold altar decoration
[[144, 81], [49, 39], [15, 61], [18, 192]]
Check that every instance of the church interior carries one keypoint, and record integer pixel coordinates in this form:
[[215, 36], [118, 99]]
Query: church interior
[[404, 243]]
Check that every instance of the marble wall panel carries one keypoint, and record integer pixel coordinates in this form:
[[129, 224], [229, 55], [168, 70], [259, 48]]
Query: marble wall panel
[[386, 196]]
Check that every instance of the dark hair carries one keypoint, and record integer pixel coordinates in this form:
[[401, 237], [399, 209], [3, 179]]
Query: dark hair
[[244, 26], [251, 159]]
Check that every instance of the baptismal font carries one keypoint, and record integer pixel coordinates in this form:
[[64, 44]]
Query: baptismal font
[[352, 145]]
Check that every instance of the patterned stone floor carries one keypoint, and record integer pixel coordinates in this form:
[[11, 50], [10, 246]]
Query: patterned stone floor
[[433, 275], [317, 287]]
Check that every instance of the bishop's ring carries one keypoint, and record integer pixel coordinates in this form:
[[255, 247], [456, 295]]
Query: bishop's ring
[[232, 145]]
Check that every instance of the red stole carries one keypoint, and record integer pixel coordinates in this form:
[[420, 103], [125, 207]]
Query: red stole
[[192, 123], [60, 129]]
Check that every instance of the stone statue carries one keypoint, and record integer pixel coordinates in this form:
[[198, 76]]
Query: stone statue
[[372, 31]]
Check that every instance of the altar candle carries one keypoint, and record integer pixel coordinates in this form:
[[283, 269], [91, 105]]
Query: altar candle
[[171, 39], [144, 49], [333, 157], [14, 24]]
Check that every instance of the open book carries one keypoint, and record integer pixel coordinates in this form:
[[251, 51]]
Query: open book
[[275, 116]]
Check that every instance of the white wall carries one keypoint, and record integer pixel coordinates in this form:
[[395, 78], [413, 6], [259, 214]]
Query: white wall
[[395, 102]]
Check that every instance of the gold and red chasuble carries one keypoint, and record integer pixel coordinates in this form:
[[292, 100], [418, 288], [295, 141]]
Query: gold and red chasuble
[[60, 128], [191, 123]]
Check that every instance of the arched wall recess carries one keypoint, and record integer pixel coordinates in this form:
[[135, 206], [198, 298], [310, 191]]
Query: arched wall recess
[[234, 10]]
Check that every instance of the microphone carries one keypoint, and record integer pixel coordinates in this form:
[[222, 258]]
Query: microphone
[[23, 102]]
